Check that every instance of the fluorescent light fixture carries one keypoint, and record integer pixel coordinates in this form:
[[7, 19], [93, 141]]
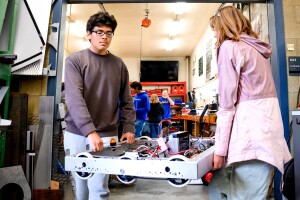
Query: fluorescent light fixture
[[170, 44], [174, 27], [77, 29], [179, 8]]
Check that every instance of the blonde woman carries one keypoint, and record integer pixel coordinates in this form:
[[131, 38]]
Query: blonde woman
[[155, 115], [249, 135]]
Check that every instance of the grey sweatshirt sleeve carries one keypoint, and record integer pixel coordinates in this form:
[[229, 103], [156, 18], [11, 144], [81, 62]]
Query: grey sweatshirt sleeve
[[126, 103], [76, 104]]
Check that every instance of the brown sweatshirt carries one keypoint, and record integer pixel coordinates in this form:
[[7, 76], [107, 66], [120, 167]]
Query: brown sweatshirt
[[93, 85]]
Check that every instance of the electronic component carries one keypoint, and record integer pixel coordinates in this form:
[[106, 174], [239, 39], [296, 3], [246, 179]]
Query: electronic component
[[179, 141]]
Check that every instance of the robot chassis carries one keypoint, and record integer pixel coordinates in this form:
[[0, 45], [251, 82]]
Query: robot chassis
[[127, 164]]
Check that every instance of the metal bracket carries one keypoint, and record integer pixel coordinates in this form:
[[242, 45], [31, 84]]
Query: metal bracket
[[53, 37], [61, 110], [47, 71], [40, 135], [15, 175]]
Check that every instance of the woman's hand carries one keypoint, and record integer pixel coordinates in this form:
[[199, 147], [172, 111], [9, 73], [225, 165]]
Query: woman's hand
[[218, 162]]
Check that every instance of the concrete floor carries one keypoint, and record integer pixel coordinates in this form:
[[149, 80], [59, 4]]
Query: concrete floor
[[149, 189]]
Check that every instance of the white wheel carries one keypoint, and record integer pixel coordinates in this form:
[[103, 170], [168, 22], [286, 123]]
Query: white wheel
[[145, 138], [84, 175], [126, 180], [178, 158], [177, 182]]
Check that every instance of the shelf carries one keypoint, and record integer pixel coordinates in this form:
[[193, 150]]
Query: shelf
[[162, 83], [175, 107], [180, 90], [171, 95]]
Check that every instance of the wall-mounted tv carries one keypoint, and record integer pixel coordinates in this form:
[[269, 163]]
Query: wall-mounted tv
[[159, 71]]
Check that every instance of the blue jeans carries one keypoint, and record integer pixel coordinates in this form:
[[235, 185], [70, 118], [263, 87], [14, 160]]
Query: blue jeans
[[146, 130], [246, 180], [94, 188], [139, 126], [155, 129]]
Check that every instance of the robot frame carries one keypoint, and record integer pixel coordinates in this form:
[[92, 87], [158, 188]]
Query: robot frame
[[178, 162]]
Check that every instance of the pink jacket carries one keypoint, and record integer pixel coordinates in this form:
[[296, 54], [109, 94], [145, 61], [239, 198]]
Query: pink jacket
[[249, 123]]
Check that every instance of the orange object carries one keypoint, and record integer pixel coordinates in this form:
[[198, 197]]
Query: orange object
[[181, 89], [174, 89], [212, 119], [146, 22], [112, 142]]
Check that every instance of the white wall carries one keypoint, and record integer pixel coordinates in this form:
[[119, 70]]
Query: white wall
[[66, 54], [200, 51], [205, 90]]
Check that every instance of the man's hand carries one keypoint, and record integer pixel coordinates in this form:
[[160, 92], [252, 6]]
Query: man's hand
[[218, 162], [129, 136], [95, 141], [171, 101]]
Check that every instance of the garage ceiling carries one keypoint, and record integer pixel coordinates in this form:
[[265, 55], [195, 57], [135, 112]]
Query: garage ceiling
[[133, 40]]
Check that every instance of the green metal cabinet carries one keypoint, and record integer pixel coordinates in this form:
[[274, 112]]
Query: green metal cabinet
[[8, 11]]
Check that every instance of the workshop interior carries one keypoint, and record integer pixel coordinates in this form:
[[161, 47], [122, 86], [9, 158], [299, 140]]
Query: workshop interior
[[166, 45]]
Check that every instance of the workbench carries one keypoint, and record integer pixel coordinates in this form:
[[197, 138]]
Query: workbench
[[191, 123]]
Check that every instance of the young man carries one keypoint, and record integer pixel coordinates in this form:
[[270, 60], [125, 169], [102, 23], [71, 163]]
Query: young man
[[167, 102], [142, 107], [95, 80]]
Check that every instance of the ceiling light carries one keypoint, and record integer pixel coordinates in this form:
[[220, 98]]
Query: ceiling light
[[179, 8], [170, 44], [77, 29], [174, 27]]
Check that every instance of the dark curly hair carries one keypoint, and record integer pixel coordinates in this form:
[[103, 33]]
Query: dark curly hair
[[100, 19], [136, 84]]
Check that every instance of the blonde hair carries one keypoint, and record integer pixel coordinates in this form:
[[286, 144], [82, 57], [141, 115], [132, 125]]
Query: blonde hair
[[229, 23], [154, 98]]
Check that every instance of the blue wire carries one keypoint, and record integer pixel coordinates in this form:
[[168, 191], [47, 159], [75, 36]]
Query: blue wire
[[61, 168]]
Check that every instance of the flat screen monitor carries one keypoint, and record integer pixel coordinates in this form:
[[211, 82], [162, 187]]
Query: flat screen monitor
[[188, 105], [159, 71]]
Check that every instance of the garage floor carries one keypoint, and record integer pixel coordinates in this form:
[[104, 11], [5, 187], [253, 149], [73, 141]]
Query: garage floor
[[149, 189]]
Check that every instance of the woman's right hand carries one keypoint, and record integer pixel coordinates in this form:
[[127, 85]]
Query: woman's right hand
[[95, 141], [218, 162]]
